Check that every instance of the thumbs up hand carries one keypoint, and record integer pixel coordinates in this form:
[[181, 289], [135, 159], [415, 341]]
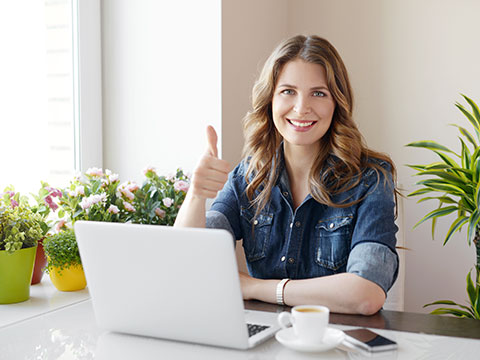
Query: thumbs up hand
[[211, 172]]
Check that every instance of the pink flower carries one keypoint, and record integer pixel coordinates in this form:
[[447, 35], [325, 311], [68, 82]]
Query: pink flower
[[150, 170], [181, 185], [14, 203], [50, 203], [128, 206], [113, 209], [132, 187], [94, 172], [60, 225], [160, 213], [167, 202], [53, 192]]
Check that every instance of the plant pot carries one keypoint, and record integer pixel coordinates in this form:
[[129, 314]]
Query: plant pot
[[40, 263], [16, 274], [68, 279]]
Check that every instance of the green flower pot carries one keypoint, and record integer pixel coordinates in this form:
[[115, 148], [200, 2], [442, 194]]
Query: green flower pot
[[16, 274]]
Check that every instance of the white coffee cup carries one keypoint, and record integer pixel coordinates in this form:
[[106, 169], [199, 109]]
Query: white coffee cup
[[309, 322]]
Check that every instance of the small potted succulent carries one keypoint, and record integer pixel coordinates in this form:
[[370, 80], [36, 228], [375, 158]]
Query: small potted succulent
[[20, 231], [63, 261]]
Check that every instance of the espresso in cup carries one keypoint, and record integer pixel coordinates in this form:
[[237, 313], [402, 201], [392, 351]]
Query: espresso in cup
[[309, 322]]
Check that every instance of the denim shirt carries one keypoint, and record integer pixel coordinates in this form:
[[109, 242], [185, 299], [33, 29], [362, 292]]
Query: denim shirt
[[315, 239]]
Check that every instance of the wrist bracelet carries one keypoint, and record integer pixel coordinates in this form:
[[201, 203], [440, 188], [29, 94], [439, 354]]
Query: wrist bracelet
[[279, 292]]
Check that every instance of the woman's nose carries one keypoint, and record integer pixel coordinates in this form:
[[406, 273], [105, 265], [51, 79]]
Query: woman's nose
[[302, 107]]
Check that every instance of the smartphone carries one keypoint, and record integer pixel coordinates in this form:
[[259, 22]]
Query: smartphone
[[368, 340]]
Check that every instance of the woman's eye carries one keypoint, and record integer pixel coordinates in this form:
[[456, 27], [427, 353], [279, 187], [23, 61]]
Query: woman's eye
[[319, 93], [287, 92]]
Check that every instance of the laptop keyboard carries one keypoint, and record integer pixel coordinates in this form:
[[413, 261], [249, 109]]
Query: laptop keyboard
[[255, 329]]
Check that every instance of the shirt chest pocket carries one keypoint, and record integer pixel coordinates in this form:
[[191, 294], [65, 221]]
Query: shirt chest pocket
[[333, 237], [256, 233]]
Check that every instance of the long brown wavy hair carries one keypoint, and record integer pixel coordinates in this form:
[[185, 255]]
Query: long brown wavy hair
[[342, 147]]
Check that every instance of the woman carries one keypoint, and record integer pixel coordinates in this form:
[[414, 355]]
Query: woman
[[314, 206]]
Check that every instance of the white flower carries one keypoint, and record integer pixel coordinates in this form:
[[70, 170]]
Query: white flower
[[113, 209], [94, 172], [167, 202]]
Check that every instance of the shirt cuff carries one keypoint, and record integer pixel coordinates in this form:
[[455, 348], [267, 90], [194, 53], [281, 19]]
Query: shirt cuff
[[374, 262], [217, 220]]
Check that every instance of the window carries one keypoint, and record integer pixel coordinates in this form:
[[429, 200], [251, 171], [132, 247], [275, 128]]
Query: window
[[42, 68]]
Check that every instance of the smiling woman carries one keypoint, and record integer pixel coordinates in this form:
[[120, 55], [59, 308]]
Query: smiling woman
[[314, 206]]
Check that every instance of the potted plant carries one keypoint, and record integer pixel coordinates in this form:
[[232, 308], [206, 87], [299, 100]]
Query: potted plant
[[63, 261], [96, 196], [160, 197], [455, 184], [45, 206], [19, 232]]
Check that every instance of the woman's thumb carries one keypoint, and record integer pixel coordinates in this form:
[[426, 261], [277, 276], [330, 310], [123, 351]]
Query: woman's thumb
[[212, 141]]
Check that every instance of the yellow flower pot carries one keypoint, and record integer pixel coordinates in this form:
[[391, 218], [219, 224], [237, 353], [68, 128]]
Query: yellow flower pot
[[68, 279]]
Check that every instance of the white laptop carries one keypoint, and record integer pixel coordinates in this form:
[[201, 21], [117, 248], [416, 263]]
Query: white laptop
[[171, 283]]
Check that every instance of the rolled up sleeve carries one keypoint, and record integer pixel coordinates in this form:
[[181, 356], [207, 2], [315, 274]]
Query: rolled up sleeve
[[374, 262]]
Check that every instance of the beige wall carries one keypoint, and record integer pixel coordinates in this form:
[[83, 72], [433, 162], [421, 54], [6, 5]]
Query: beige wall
[[250, 30]]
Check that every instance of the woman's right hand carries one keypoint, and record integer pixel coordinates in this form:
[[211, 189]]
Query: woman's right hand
[[211, 172]]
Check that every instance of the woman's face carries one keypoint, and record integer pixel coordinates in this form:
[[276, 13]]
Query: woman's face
[[302, 105]]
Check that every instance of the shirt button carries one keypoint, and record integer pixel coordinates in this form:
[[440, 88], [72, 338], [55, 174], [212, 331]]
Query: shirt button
[[298, 223], [291, 225], [283, 258], [332, 225], [291, 260], [285, 193], [255, 222]]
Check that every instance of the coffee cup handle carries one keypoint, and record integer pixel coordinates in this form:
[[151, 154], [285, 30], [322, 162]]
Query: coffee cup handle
[[284, 319]]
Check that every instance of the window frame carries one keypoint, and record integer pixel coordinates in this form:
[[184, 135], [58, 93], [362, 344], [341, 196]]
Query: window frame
[[87, 61]]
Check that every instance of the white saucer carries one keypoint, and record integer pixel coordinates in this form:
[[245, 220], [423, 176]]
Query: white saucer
[[332, 338]]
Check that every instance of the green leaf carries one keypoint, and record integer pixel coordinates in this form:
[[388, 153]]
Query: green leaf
[[474, 107], [452, 311], [471, 291], [437, 166], [417, 167], [443, 199], [420, 192], [430, 145], [472, 225], [437, 213], [447, 159], [466, 156], [454, 179], [470, 118], [465, 133], [443, 186], [456, 225]]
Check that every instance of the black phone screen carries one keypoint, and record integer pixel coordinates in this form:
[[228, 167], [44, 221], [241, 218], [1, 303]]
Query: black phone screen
[[369, 338]]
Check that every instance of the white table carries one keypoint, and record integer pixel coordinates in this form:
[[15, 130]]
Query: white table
[[56, 325]]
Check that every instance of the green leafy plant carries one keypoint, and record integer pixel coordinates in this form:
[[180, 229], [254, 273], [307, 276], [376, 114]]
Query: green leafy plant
[[19, 226], [61, 250], [454, 182], [160, 198]]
